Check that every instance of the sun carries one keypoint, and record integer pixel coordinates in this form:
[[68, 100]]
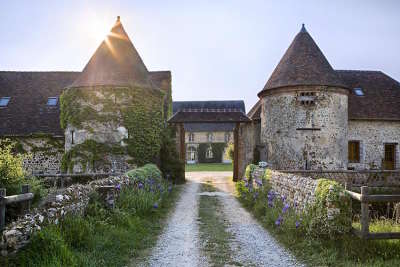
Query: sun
[[95, 28]]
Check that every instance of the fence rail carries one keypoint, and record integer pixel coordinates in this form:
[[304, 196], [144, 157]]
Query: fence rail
[[365, 199], [24, 199]]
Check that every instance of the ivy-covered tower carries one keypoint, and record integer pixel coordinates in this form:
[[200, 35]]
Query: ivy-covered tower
[[114, 112]]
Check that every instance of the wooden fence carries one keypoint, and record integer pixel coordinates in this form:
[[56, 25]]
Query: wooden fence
[[24, 199], [365, 199]]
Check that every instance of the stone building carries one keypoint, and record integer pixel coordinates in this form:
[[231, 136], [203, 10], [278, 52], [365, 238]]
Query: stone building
[[311, 116], [90, 121], [207, 142]]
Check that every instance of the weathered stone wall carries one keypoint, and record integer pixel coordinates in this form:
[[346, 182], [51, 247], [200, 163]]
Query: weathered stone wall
[[298, 191], [286, 128], [73, 200], [372, 136], [44, 154]]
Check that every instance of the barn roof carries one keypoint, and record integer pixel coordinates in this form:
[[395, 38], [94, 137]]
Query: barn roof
[[237, 105], [116, 62], [27, 112], [208, 116], [303, 64]]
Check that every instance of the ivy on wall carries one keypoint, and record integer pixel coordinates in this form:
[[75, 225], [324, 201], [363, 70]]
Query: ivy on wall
[[139, 110], [217, 152]]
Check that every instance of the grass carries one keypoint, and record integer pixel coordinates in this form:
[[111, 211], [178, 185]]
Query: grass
[[346, 250], [100, 238], [213, 230], [208, 167]]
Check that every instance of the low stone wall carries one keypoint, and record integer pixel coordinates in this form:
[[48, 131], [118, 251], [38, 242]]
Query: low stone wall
[[73, 200], [299, 191]]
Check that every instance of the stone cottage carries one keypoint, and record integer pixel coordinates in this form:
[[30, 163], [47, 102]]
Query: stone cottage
[[207, 142], [311, 116], [108, 117]]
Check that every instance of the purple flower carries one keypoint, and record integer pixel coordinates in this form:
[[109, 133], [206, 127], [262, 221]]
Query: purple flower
[[118, 187], [278, 222], [246, 184], [270, 203], [170, 188], [285, 208], [297, 224], [283, 198], [259, 182], [140, 185], [155, 205]]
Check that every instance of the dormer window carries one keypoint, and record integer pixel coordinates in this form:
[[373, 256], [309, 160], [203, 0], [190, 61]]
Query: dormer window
[[4, 101], [52, 101], [358, 91]]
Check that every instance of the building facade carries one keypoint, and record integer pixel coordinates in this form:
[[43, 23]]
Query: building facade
[[311, 116]]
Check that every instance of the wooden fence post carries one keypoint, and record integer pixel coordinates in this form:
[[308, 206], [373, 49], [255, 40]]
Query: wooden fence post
[[364, 212], [2, 208], [25, 206]]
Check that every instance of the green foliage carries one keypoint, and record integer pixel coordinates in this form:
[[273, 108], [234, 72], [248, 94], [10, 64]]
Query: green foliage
[[11, 171], [318, 249], [209, 167], [102, 237], [143, 174], [170, 164], [230, 151], [217, 151], [249, 171], [331, 212], [139, 110]]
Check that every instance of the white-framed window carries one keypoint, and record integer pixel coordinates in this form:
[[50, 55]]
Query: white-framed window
[[191, 137], [209, 153], [227, 137], [210, 137], [191, 154]]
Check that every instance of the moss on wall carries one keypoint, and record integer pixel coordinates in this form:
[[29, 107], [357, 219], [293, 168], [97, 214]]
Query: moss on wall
[[139, 110]]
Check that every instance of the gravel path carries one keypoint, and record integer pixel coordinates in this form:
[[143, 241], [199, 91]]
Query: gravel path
[[179, 243]]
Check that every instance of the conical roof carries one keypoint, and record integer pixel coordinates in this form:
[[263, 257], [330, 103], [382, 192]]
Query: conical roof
[[303, 64], [115, 63]]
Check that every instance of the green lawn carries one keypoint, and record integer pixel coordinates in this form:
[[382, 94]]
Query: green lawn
[[209, 167]]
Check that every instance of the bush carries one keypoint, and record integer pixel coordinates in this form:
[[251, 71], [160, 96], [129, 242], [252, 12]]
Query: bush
[[249, 171], [76, 231], [170, 164], [11, 171], [330, 215]]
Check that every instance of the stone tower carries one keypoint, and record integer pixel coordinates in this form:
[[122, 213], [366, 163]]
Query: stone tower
[[304, 110], [113, 113]]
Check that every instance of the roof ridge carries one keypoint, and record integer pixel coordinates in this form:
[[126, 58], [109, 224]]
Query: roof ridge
[[379, 71], [39, 71]]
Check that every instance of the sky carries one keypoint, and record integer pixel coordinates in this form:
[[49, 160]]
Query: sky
[[216, 50]]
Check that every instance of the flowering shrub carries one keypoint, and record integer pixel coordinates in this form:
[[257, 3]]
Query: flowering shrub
[[330, 215]]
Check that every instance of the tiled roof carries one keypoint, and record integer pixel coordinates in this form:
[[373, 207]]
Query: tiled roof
[[303, 64], [255, 112], [208, 116], [228, 105], [115, 62], [27, 112], [381, 100]]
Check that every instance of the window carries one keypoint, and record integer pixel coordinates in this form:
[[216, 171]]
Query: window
[[358, 91], [52, 101], [4, 101], [191, 137], [227, 137], [354, 151], [307, 98], [209, 153], [191, 154], [210, 137]]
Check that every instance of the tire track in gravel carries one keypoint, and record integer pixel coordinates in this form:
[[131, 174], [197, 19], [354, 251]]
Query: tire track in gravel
[[179, 243]]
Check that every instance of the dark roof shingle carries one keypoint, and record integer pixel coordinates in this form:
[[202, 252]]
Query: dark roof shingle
[[303, 64], [27, 112], [209, 105], [201, 116], [381, 100], [115, 62]]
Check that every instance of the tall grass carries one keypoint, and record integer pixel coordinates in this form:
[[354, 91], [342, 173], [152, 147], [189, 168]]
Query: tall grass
[[103, 237], [292, 230]]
